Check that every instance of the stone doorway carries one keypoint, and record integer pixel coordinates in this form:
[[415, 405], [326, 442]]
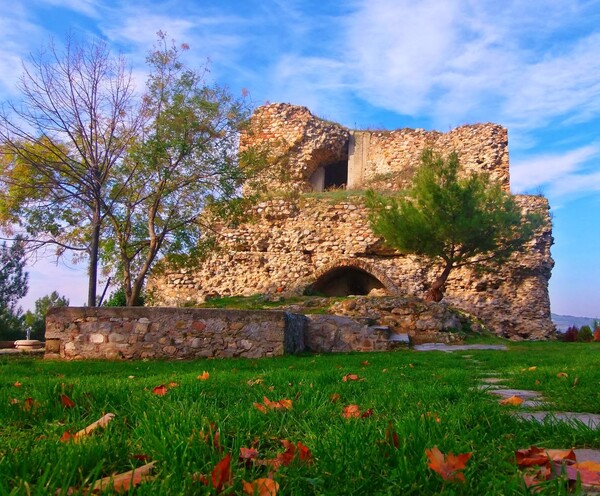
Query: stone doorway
[[331, 176], [345, 281]]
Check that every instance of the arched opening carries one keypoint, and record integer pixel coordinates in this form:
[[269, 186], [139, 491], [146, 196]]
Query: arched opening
[[344, 281], [331, 176]]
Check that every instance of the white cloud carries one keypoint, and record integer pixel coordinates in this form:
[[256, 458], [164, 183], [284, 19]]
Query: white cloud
[[558, 174], [85, 7]]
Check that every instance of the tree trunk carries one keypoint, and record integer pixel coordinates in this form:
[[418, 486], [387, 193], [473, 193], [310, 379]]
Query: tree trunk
[[93, 269], [436, 291]]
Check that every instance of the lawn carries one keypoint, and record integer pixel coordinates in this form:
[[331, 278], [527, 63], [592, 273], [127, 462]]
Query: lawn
[[427, 399]]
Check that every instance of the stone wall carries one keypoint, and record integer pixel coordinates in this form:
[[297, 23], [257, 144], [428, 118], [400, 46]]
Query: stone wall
[[289, 244], [300, 143], [112, 333]]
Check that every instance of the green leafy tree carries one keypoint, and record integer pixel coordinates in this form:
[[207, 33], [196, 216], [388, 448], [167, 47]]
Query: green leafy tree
[[36, 320], [451, 220], [13, 286], [60, 143], [585, 334], [184, 160]]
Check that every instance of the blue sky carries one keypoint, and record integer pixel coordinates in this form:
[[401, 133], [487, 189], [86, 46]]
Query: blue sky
[[530, 65]]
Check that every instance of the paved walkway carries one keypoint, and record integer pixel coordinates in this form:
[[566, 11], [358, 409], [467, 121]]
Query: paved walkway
[[448, 348]]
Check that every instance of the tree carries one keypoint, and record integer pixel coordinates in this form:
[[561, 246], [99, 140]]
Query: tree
[[36, 320], [13, 286], [184, 160], [455, 221], [75, 121]]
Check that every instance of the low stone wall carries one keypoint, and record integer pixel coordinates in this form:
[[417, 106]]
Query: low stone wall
[[135, 333]]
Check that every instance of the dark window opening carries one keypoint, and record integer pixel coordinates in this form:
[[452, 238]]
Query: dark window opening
[[336, 175], [345, 281]]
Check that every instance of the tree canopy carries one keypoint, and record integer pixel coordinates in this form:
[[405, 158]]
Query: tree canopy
[[118, 177], [451, 220], [13, 286]]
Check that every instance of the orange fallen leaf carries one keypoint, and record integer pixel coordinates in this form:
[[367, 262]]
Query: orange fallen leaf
[[17, 384], [305, 453], [261, 487], [334, 397], [66, 401], [160, 390], [173, 385], [513, 400], [539, 456], [29, 404], [14, 401], [283, 404], [260, 408], [351, 411], [350, 377], [365, 363], [449, 466], [562, 374], [432, 416], [531, 369], [203, 376], [121, 483]]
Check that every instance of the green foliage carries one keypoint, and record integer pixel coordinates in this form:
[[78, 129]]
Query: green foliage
[[585, 334], [118, 298], [452, 220], [13, 286], [36, 320]]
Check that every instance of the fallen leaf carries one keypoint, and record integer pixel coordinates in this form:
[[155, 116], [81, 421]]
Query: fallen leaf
[[513, 400], [173, 385], [448, 466], [432, 416], [537, 382], [261, 487], [531, 369], [540, 456], [365, 363], [66, 401], [576, 381], [203, 376], [305, 453], [29, 404], [350, 377], [160, 390], [384, 370], [562, 374], [14, 401], [221, 474], [411, 365], [259, 407], [248, 455], [351, 411], [587, 477], [367, 413], [67, 436], [334, 397], [17, 384], [124, 482], [283, 404], [391, 436], [254, 382]]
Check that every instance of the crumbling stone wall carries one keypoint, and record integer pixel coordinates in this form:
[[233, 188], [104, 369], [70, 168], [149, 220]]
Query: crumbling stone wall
[[293, 240], [142, 332]]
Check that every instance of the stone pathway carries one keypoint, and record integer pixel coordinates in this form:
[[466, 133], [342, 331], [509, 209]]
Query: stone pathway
[[448, 348]]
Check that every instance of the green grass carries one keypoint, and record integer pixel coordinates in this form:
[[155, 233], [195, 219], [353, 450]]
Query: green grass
[[351, 455]]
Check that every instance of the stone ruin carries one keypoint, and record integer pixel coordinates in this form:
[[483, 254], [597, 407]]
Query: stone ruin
[[297, 240]]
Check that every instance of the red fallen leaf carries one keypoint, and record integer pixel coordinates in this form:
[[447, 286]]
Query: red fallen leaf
[[351, 411], [67, 436], [288, 455], [305, 453], [367, 413], [365, 363], [391, 436], [160, 390], [66, 401], [221, 474], [350, 377], [141, 457], [203, 376], [448, 466], [261, 487], [334, 397], [14, 401], [540, 456], [121, 483], [17, 384], [248, 454]]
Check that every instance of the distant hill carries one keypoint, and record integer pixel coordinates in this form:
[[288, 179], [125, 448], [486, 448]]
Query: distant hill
[[562, 322]]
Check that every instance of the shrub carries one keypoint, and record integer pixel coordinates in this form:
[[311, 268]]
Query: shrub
[[585, 334], [571, 334], [597, 333]]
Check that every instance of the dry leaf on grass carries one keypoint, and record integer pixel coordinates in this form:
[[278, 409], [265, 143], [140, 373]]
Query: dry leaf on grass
[[261, 487], [121, 483], [67, 436], [513, 400], [203, 376], [66, 401], [160, 390], [283, 404], [449, 466]]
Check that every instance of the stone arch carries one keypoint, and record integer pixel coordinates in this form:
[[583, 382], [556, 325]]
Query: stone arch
[[352, 276]]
